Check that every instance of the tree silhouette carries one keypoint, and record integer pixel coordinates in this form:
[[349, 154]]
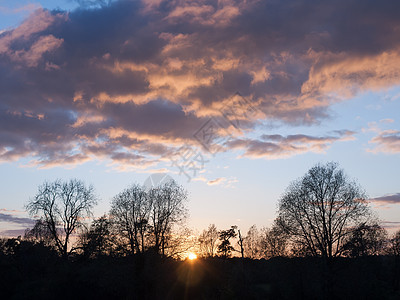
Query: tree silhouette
[[130, 212], [252, 245], [62, 206], [40, 233], [208, 241], [240, 242], [395, 244], [273, 242], [365, 240], [167, 209], [98, 240], [145, 218], [318, 210], [225, 248]]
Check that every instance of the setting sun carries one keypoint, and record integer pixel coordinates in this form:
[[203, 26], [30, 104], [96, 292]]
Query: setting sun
[[192, 256]]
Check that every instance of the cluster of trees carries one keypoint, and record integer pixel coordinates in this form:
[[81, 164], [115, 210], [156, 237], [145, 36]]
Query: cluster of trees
[[364, 240], [140, 219], [265, 243], [322, 214]]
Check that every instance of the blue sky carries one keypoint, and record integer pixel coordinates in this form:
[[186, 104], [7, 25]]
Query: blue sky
[[109, 93]]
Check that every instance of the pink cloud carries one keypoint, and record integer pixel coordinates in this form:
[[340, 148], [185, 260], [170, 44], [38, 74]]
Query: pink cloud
[[387, 141], [278, 146], [39, 21]]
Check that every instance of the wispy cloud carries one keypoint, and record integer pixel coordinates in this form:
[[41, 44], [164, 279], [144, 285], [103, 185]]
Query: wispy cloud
[[278, 146], [391, 225], [387, 141], [30, 7], [387, 121], [226, 182], [130, 81], [217, 181], [16, 220], [11, 210], [387, 199]]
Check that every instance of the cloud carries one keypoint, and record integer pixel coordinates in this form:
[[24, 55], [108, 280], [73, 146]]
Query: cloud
[[11, 210], [16, 220], [29, 35], [278, 146], [223, 181], [387, 141], [388, 199], [24, 8], [131, 81], [391, 225], [217, 181]]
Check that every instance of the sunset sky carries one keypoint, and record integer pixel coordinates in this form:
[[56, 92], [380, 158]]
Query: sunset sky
[[234, 99]]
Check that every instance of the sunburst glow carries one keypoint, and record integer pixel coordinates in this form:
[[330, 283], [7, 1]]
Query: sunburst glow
[[192, 256]]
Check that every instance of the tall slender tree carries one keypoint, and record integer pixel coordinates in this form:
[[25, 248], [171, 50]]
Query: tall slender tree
[[167, 209], [208, 241]]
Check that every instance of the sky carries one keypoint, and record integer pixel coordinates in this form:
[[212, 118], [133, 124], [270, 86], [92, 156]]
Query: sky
[[234, 99]]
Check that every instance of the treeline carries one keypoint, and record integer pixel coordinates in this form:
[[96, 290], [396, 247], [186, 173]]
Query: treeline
[[140, 220], [266, 243], [322, 214]]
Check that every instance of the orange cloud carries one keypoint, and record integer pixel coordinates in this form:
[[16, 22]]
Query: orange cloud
[[37, 22], [343, 75]]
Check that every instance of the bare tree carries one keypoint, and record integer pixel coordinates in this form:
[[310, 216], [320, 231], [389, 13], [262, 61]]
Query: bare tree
[[40, 233], [180, 242], [98, 239], [273, 242], [167, 209], [145, 219], [130, 212], [240, 242], [366, 240], [208, 241], [394, 246], [62, 206], [252, 246], [318, 210]]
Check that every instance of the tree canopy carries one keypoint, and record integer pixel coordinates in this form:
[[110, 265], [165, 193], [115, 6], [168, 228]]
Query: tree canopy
[[61, 206], [321, 209]]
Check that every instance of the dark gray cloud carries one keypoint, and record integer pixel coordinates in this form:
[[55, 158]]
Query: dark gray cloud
[[388, 199], [16, 220], [130, 80], [391, 225]]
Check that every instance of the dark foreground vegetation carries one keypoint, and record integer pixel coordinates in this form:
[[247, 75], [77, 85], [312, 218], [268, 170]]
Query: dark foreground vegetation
[[33, 271]]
